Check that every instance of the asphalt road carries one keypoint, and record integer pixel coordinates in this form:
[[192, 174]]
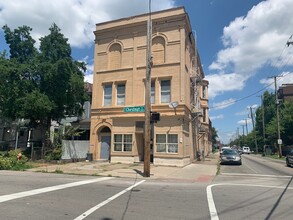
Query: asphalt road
[[258, 189], [35, 196]]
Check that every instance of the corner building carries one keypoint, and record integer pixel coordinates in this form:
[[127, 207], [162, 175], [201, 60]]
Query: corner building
[[118, 99]]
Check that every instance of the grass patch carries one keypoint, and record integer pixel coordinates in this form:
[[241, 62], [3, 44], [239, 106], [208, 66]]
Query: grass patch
[[58, 170], [276, 156]]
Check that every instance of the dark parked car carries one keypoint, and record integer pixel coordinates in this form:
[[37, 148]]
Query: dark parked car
[[289, 158], [231, 157]]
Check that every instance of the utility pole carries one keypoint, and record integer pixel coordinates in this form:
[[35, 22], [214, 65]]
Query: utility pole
[[254, 131], [243, 134], [238, 137], [147, 139], [263, 124], [278, 120]]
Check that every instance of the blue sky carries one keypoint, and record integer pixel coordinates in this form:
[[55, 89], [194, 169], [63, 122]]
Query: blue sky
[[241, 43]]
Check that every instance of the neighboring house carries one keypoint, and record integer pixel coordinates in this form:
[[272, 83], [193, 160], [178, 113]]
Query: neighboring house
[[285, 92], [117, 117], [78, 147], [15, 134]]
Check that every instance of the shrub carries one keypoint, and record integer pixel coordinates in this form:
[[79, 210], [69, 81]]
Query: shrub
[[10, 161], [54, 154], [5, 163]]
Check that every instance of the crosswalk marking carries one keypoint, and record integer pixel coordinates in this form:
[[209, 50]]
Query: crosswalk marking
[[93, 209], [19, 195]]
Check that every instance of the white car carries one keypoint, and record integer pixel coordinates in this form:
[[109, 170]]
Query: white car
[[245, 150]]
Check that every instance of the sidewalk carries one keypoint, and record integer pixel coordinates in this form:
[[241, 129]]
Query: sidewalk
[[200, 171]]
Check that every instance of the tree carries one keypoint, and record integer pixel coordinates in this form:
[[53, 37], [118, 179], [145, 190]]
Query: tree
[[61, 78], [286, 122], [20, 42], [214, 136], [40, 86]]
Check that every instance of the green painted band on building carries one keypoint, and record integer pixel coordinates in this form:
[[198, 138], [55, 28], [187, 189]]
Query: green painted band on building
[[134, 109]]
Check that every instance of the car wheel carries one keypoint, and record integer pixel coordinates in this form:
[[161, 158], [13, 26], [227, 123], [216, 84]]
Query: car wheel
[[287, 163], [240, 163]]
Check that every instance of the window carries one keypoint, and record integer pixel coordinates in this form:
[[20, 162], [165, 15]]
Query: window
[[165, 91], [115, 56], [204, 115], [204, 91], [153, 92], [167, 143], [121, 94], [108, 95], [123, 142], [158, 50]]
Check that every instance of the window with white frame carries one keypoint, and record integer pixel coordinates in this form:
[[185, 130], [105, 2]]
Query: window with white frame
[[120, 94], [107, 94], [123, 142], [165, 91], [167, 143], [153, 92]]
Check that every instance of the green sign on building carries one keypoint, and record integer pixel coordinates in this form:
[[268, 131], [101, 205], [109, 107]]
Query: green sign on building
[[134, 109]]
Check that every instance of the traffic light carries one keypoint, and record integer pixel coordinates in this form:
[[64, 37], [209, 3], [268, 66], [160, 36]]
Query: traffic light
[[155, 117]]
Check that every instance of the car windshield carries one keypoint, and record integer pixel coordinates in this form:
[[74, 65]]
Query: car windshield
[[230, 152]]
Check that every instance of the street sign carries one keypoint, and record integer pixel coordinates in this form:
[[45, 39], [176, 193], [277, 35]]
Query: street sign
[[279, 141], [134, 109]]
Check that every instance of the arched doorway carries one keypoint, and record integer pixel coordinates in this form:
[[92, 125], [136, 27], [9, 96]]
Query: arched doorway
[[105, 143]]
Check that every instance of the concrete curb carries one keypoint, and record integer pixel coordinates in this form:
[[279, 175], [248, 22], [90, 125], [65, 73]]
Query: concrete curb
[[200, 171]]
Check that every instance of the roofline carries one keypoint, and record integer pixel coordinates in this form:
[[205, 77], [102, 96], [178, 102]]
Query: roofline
[[143, 18], [141, 15]]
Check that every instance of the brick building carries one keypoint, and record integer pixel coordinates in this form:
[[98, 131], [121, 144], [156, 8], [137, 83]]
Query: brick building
[[117, 117]]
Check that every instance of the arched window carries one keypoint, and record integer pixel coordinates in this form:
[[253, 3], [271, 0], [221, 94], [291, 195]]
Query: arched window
[[158, 50], [115, 56]]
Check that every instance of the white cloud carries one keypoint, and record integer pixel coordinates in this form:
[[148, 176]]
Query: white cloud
[[252, 42], [217, 117], [226, 137], [89, 78], [243, 122], [76, 18], [220, 83], [285, 78], [245, 112], [223, 104], [254, 106]]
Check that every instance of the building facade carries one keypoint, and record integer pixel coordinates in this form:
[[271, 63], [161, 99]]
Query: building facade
[[285, 92], [118, 99]]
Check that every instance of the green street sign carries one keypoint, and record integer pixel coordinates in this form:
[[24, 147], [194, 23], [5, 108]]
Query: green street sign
[[134, 109]]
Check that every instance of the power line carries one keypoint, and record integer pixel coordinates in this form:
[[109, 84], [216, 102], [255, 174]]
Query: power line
[[288, 43]]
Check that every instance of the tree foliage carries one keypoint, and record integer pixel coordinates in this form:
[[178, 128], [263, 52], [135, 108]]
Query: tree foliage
[[214, 136], [270, 122], [21, 44], [40, 85]]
